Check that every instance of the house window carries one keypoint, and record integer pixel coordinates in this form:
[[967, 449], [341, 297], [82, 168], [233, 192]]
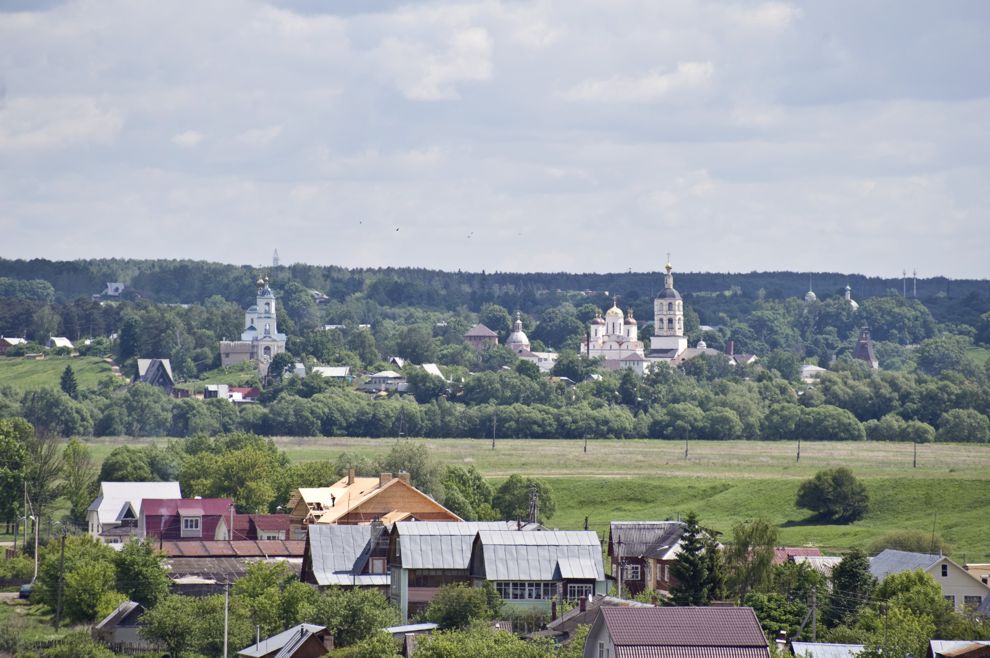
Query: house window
[[601, 650], [576, 591], [525, 591], [951, 599], [378, 565], [632, 572], [190, 526], [972, 601], [945, 571]]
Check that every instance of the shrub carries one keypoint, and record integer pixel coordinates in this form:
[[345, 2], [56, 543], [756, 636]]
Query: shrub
[[834, 494]]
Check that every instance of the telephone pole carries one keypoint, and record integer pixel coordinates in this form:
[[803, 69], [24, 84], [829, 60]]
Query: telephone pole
[[814, 614], [226, 615], [61, 580], [494, 425], [799, 452]]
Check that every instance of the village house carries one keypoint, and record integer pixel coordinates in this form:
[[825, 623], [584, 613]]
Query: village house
[[959, 587], [121, 629], [203, 567], [583, 614], [59, 341], [424, 556], [6, 342], [642, 552], [532, 569], [383, 381], [155, 372], [675, 632], [347, 556], [186, 519], [356, 500], [112, 517]]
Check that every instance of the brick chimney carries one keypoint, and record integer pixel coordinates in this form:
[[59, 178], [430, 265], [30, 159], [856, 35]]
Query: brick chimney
[[350, 476], [384, 478], [404, 476]]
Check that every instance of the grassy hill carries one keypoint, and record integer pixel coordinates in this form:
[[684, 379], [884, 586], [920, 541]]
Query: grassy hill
[[25, 374], [235, 375], [723, 481]]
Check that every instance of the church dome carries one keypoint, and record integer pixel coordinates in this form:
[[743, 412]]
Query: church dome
[[810, 296], [614, 312], [702, 345], [629, 317], [518, 337], [669, 293], [598, 320]]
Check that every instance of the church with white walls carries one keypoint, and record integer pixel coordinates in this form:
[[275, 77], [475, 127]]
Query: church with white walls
[[616, 336], [260, 341]]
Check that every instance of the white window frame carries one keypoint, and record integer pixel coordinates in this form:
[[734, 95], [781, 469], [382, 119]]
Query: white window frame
[[192, 526], [518, 590], [577, 591], [632, 572]]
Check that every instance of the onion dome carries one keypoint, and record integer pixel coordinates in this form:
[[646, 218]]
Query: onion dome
[[598, 318], [629, 317], [614, 312], [810, 296], [668, 292], [702, 345]]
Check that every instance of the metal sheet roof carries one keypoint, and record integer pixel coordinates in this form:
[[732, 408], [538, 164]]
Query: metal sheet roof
[[891, 561], [445, 545], [825, 650], [652, 539], [546, 556], [708, 627], [109, 505], [339, 554], [691, 652], [276, 642]]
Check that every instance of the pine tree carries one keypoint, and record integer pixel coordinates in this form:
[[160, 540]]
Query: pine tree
[[692, 567], [68, 382]]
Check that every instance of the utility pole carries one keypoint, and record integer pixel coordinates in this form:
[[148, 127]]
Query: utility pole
[[61, 580], [915, 464], [226, 615], [586, 443], [814, 614], [799, 451], [685, 448], [37, 528], [494, 425]]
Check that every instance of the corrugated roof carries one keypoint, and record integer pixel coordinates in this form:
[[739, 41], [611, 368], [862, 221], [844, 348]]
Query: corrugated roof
[[187, 506], [275, 642], [575, 617], [222, 569], [684, 627], [952, 647], [651, 539], [550, 555], [823, 564], [444, 545], [825, 650], [339, 554], [691, 652], [238, 548], [891, 561], [783, 554]]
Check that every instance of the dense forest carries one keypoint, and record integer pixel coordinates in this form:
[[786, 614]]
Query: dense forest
[[933, 382]]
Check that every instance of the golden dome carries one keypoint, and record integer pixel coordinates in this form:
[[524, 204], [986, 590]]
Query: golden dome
[[614, 312]]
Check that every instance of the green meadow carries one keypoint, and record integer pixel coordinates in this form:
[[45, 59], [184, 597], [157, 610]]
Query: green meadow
[[24, 373]]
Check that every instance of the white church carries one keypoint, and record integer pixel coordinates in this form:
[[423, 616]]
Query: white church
[[260, 341], [616, 337]]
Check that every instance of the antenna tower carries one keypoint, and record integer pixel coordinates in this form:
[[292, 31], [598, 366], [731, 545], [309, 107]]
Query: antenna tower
[[914, 292], [275, 259]]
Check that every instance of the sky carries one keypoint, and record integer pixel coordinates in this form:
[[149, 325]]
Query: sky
[[826, 135]]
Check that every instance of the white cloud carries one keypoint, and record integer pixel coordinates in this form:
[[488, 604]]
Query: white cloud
[[644, 89], [425, 73], [43, 123], [187, 138], [260, 136]]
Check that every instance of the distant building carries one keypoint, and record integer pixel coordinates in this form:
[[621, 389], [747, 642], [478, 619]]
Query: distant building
[[338, 373], [481, 337], [864, 349], [121, 629], [113, 517], [155, 372], [302, 641], [6, 342], [519, 343], [643, 552], [959, 587], [59, 341], [385, 380], [260, 341], [186, 519], [668, 339], [612, 338]]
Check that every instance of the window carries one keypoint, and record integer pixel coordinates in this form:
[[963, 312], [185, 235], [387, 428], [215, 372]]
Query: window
[[190, 526], [378, 565], [576, 591], [951, 599], [525, 591], [601, 650], [945, 571], [670, 306], [972, 601], [632, 572], [268, 307]]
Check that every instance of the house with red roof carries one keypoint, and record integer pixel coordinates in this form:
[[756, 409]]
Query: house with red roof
[[186, 519], [674, 632], [783, 554]]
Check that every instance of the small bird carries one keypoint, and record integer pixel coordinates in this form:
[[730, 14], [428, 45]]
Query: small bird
[[396, 230]]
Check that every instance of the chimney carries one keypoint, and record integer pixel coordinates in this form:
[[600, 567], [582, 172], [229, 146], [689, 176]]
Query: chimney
[[350, 476], [583, 604], [327, 641], [384, 478], [730, 347], [404, 476]]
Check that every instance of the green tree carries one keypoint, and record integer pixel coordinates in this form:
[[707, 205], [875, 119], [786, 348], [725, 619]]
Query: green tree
[[459, 605], [68, 382], [273, 597], [354, 614], [79, 484], [897, 632], [693, 569], [852, 586], [497, 319], [186, 625], [964, 425], [15, 433], [424, 386], [89, 573], [474, 491], [281, 363], [53, 412], [512, 498], [141, 573], [425, 472], [749, 557], [776, 613], [126, 464], [835, 495]]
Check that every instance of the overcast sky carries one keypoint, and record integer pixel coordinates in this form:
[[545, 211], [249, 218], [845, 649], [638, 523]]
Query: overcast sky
[[834, 135]]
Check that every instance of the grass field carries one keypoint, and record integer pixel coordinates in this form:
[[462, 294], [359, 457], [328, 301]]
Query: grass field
[[233, 375], [723, 481], [24, 374]]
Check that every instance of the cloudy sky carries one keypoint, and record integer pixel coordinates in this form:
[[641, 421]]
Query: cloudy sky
[[503, 135]]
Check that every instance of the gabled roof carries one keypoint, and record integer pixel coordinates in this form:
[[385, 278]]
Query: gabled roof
[[60, 341], [570, 620], [237, 548], [144, 365], [333, 371], [433, 369], [280, 641], [679, 632], [891, 561], [119, 615], [783, 554], [348, 498], [822, 564], [339, 553], [480, 331], [386, 374], [957, 647], [538, 556], [657, 540], [115, 496], [443, 545]]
